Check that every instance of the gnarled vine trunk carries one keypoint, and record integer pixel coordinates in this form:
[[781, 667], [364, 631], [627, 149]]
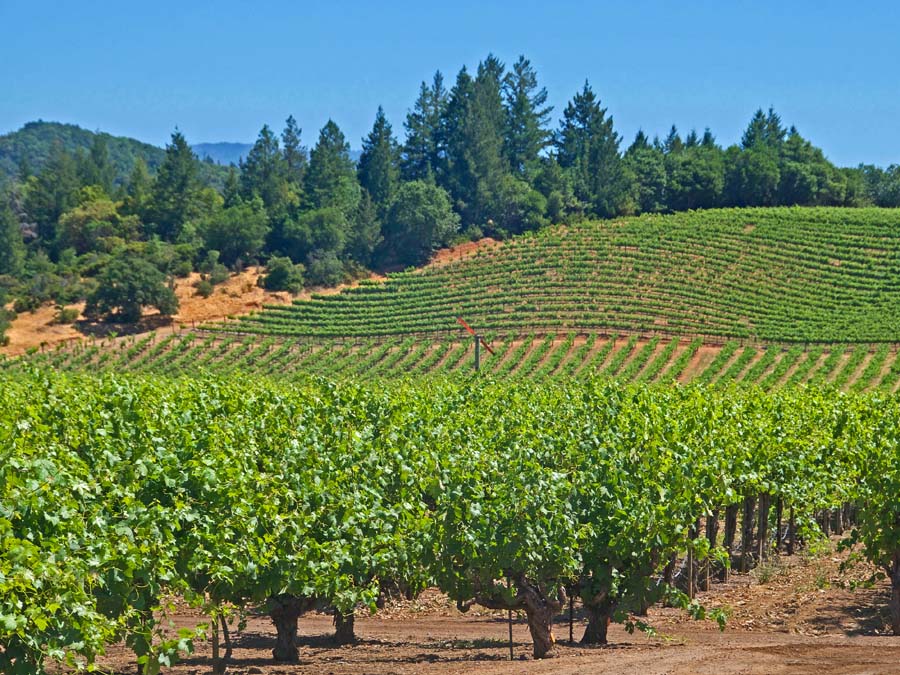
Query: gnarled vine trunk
[[600, 610], [343, 627], [539, 607], [285, 610]]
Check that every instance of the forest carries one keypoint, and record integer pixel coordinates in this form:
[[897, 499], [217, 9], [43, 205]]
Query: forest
[[477, 158]]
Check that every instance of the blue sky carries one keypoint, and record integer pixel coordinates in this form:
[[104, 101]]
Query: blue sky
[[220, 70]]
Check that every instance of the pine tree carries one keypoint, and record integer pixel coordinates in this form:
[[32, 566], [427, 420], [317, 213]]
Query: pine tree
[[673, 143], [527, 116], [378, 169], [423, 154], [137, 190], [755, 133], [647, 165], [588, 148], [264, 172], [12, 248], [176, 192], [95, 167], [331, 177], [231, 192], [294, 153], [52, 192]]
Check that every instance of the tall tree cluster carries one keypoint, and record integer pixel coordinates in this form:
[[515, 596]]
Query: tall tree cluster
[[477, 158]]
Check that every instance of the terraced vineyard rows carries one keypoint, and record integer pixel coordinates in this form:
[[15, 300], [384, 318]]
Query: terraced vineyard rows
[[778, 275], [536, 358]]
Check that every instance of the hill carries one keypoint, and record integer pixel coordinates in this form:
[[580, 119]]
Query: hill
[[756, 296], [34, 142], [782, 275], [222, 153]]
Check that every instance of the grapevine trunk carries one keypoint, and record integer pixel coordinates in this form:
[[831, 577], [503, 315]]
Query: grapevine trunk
[[343, 628], [599, 617]]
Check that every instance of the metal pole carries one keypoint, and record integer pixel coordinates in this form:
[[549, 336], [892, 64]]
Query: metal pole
[[477, 353]]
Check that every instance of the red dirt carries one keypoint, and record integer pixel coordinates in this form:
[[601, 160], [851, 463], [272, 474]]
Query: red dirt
[[790, 616]]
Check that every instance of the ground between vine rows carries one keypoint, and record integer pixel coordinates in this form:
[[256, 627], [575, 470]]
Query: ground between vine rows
[[797, 615]]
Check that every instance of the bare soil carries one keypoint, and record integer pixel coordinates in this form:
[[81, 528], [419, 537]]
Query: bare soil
[[794, 615], [238, 295]]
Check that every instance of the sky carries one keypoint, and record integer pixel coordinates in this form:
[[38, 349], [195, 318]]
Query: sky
[[220, 70]]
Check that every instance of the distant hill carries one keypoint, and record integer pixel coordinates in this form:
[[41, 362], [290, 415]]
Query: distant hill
[[231, 153], [222, 153], [34, 142]]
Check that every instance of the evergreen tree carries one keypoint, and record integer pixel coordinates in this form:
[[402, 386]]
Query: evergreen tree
[[264, 173], [231, 192], [12, 247], [365, 231], [692, 140], [379, 170], [527, 116], [294, 153], [137, 190], [695, 178], [176, 195], [647, 164], [95, 168], [423, 153], [52, 192], [673, 143], [331, 177], [475, 125], [588, 148]]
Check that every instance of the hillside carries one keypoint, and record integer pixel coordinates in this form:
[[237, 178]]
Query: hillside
[[786, 275], [34, 142]]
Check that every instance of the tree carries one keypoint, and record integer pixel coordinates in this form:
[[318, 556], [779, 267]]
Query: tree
[[237, 232], [365, 231], [52, 192], [419, 220], [527, 116], [695, 177], [325, 229], [647, 164], [294, 154], [588, 148], [95, 168], [177, 194], [474, 126], [231, 192], [379, 170], [282, 275], [331, 177], [422, 155], [12, 247], [138, 190], [264, 174], [93, 222], [127, 284]]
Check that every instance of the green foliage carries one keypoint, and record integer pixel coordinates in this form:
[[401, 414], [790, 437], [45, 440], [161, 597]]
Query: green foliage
[[12, 248], [418, 221], [127, 284], [331, 177], [379, 170], [282, 275], [237, 233], [503, 494], [176, 191]]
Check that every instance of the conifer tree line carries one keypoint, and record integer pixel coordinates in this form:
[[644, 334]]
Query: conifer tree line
[[476, 157]]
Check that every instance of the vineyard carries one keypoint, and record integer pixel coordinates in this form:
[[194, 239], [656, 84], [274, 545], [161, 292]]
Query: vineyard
[[783, 275], [121, 492], [542, 358]]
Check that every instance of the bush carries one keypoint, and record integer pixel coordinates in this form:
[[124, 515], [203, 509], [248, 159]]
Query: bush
[[65, 315], [283, 275], [204, 288], [26, 303], [126, 285], [324, 269]]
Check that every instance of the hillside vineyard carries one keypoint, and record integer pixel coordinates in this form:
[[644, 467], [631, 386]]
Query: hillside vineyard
[[778, 274]]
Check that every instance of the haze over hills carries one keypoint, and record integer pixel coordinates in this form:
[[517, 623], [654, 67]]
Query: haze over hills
[[34, 142]]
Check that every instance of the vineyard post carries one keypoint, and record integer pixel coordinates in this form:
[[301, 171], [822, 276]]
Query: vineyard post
[[509, 619], [477, 339]]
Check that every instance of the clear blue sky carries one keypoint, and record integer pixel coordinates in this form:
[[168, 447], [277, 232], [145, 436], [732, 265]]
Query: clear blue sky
[[220, 70]]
